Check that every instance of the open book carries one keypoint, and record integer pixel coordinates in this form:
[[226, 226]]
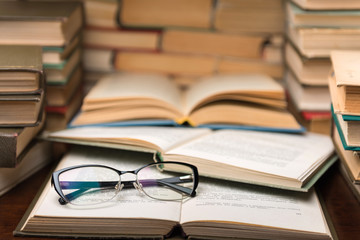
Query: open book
[[220, 209], [247, 100], [274, 159]]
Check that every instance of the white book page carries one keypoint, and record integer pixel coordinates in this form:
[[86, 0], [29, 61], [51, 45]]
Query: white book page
[[242, 203], [160, 138], [126, 85], [129, 203], [282, 154], [229, 83]]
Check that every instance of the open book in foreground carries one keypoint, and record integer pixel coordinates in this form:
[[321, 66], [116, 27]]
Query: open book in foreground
[[220, 210], [279, 160], [218, 102]]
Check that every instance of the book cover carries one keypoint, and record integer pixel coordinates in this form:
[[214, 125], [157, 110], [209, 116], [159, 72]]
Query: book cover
[[21, 69], [21, 110], [51, 23], [14, 141]]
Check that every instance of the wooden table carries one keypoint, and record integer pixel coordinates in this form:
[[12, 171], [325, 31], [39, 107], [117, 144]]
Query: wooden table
[[341, 205]]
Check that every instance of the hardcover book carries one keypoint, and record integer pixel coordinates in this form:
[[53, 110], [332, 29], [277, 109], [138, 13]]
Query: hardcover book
[[36, 156], [162, 13], [21, 69], [14, 141], [344, 82], [20, 110], [220, 210], [39, 23], [328, 5]]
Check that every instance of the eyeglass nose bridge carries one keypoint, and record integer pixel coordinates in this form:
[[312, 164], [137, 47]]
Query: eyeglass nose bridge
[[130, 183]]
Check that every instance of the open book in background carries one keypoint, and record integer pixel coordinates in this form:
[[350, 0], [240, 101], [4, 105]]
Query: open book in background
[[220, 209], [280, 160], [217, 101]]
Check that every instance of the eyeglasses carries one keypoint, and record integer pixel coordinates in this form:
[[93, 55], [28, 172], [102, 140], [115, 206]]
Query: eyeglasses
[[94, 184]]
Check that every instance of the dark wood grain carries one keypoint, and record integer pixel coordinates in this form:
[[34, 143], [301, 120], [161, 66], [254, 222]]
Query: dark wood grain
[[342, 206]]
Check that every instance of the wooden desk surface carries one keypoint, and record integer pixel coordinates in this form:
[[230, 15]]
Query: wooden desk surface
[[342, 206]]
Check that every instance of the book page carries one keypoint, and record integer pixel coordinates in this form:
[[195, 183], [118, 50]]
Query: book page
[[155, 138], [133, 86], [229, 84], [128, 203], [281, 154], [221, 201]]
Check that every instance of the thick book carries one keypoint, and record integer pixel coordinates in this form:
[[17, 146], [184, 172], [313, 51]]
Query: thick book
[[344, 82], [121, 39], [97, 61], [220, 210], [174, 64], [250, 100], [162, 13], [101, 13], [249, 16], [234, 65], [60, 74], [313, 121], [309, 71], [350, 159], [307, 97], [20, 110], [320, 41], [37, 155], [57, 56], [58, 117], [21, 69], [348, 129], [14, 141], [327, 5], [330, 18], [59, 95], [281, 160], [39, 23], [218, 43]]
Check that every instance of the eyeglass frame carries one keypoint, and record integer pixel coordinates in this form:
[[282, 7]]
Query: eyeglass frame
[[55, 182]]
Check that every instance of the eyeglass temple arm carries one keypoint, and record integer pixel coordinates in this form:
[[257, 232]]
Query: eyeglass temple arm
[[85, 186]]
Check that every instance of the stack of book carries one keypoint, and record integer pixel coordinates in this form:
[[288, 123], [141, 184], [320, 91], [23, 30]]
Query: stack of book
[[22, 118], [103, 37], [344, 84], [228, 54], [182, 39], [56, 27], [313, 31]]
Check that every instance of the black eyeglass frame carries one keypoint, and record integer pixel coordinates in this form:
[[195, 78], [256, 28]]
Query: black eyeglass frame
[[64, 200]]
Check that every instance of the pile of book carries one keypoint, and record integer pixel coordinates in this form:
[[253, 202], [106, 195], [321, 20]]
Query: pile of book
[[314, 28], [183, 39], [56, 27], [344, 84], [257, 164], [22, 98]]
